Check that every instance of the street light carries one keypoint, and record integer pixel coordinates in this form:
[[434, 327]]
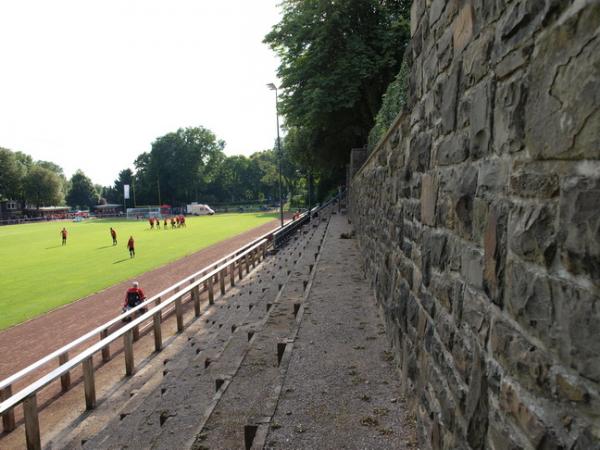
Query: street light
[[274, 88]]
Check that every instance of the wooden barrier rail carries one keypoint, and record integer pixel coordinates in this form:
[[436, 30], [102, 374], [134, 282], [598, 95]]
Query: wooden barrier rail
[[28, 395]]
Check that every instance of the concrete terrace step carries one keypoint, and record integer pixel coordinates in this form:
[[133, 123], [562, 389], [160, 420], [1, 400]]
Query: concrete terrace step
[[251, 396], [163, 403]]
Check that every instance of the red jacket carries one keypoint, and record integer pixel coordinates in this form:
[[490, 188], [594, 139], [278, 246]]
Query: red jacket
[[139, 292]]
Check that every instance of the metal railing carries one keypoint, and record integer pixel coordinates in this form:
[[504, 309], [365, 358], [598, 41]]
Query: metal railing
[[193, 285], [28, 395]]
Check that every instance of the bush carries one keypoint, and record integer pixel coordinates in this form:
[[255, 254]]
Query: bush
[[394, 100]]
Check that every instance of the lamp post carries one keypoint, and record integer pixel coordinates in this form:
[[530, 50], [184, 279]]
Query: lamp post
[[274, 88]]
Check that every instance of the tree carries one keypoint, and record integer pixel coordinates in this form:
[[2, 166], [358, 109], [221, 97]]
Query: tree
[[183, 162], [42, 187], [337, 59], [125, 177], [11, 175], [53, 167], [82, 193]]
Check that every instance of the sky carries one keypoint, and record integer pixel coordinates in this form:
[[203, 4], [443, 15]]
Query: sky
[[89, 84]]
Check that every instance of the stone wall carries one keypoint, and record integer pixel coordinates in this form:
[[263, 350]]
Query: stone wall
[[479, 220]]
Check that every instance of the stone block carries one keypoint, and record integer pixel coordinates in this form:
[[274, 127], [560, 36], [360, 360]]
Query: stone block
[[476, 315], [519, 21], [448, 93], [529, 301], [480, 118], [472, 267], [463, 188], [476, 59], [452, 150], [462, 27], [509, 114], [520, 358], [580, 226], [416, 12], [534, 180], [434, 249], [435, 11], [480, 216], [513, 61], [561, 115], [532, 232], [494, 247], [445, 50], [512, 403], [492, 178], [577, 326], [476, 403], [462, 352], [503, 436], [420, 152], [571, 389], [429, 190]]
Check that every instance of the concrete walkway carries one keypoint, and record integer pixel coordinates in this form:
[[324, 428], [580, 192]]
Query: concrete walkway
[[341, 390]]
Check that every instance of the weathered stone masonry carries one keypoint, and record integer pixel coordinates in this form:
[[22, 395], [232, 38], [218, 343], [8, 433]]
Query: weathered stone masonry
[[479, 220]]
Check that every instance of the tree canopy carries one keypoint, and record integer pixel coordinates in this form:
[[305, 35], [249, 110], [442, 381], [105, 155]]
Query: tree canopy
[[43, 187], [82, 193], [337, 59]]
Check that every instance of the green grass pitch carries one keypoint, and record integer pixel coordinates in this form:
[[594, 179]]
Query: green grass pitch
[[38, 274]]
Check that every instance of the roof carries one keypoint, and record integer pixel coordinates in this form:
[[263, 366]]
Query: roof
[[107, 206], [54, 208]]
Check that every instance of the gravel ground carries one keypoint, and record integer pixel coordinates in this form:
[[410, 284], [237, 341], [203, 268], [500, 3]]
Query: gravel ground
[[341, 390]]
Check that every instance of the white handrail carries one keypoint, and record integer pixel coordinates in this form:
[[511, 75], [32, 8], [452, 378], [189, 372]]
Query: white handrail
[[64, 349], [33, 388]]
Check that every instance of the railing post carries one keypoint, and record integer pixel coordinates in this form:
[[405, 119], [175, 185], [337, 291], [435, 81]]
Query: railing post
[[232, 274], [196, 300], [179, 314], [136, 333], [106, 348], [128, 351], [8, 418], [211, 294], [247, 263], [264, 250], [32, 423], [157, 302], [89, 385], [222, 281], [65, 379], [157, 332], [240, 269]]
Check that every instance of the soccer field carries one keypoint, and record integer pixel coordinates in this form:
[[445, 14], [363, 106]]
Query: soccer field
[[38, 274]]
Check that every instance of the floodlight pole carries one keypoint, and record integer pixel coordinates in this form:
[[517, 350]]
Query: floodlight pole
[[274, 88]]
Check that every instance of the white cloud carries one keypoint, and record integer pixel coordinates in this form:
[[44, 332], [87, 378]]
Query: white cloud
[[90, 84]]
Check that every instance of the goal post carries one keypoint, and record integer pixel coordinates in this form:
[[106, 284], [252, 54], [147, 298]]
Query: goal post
[[144, 212]]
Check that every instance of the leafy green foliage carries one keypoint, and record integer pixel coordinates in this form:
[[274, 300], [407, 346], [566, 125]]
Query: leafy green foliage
[[82, 193], [337, 59], [394, 100], [40, 183], [11, 175], [43, 187], [179, 165]]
